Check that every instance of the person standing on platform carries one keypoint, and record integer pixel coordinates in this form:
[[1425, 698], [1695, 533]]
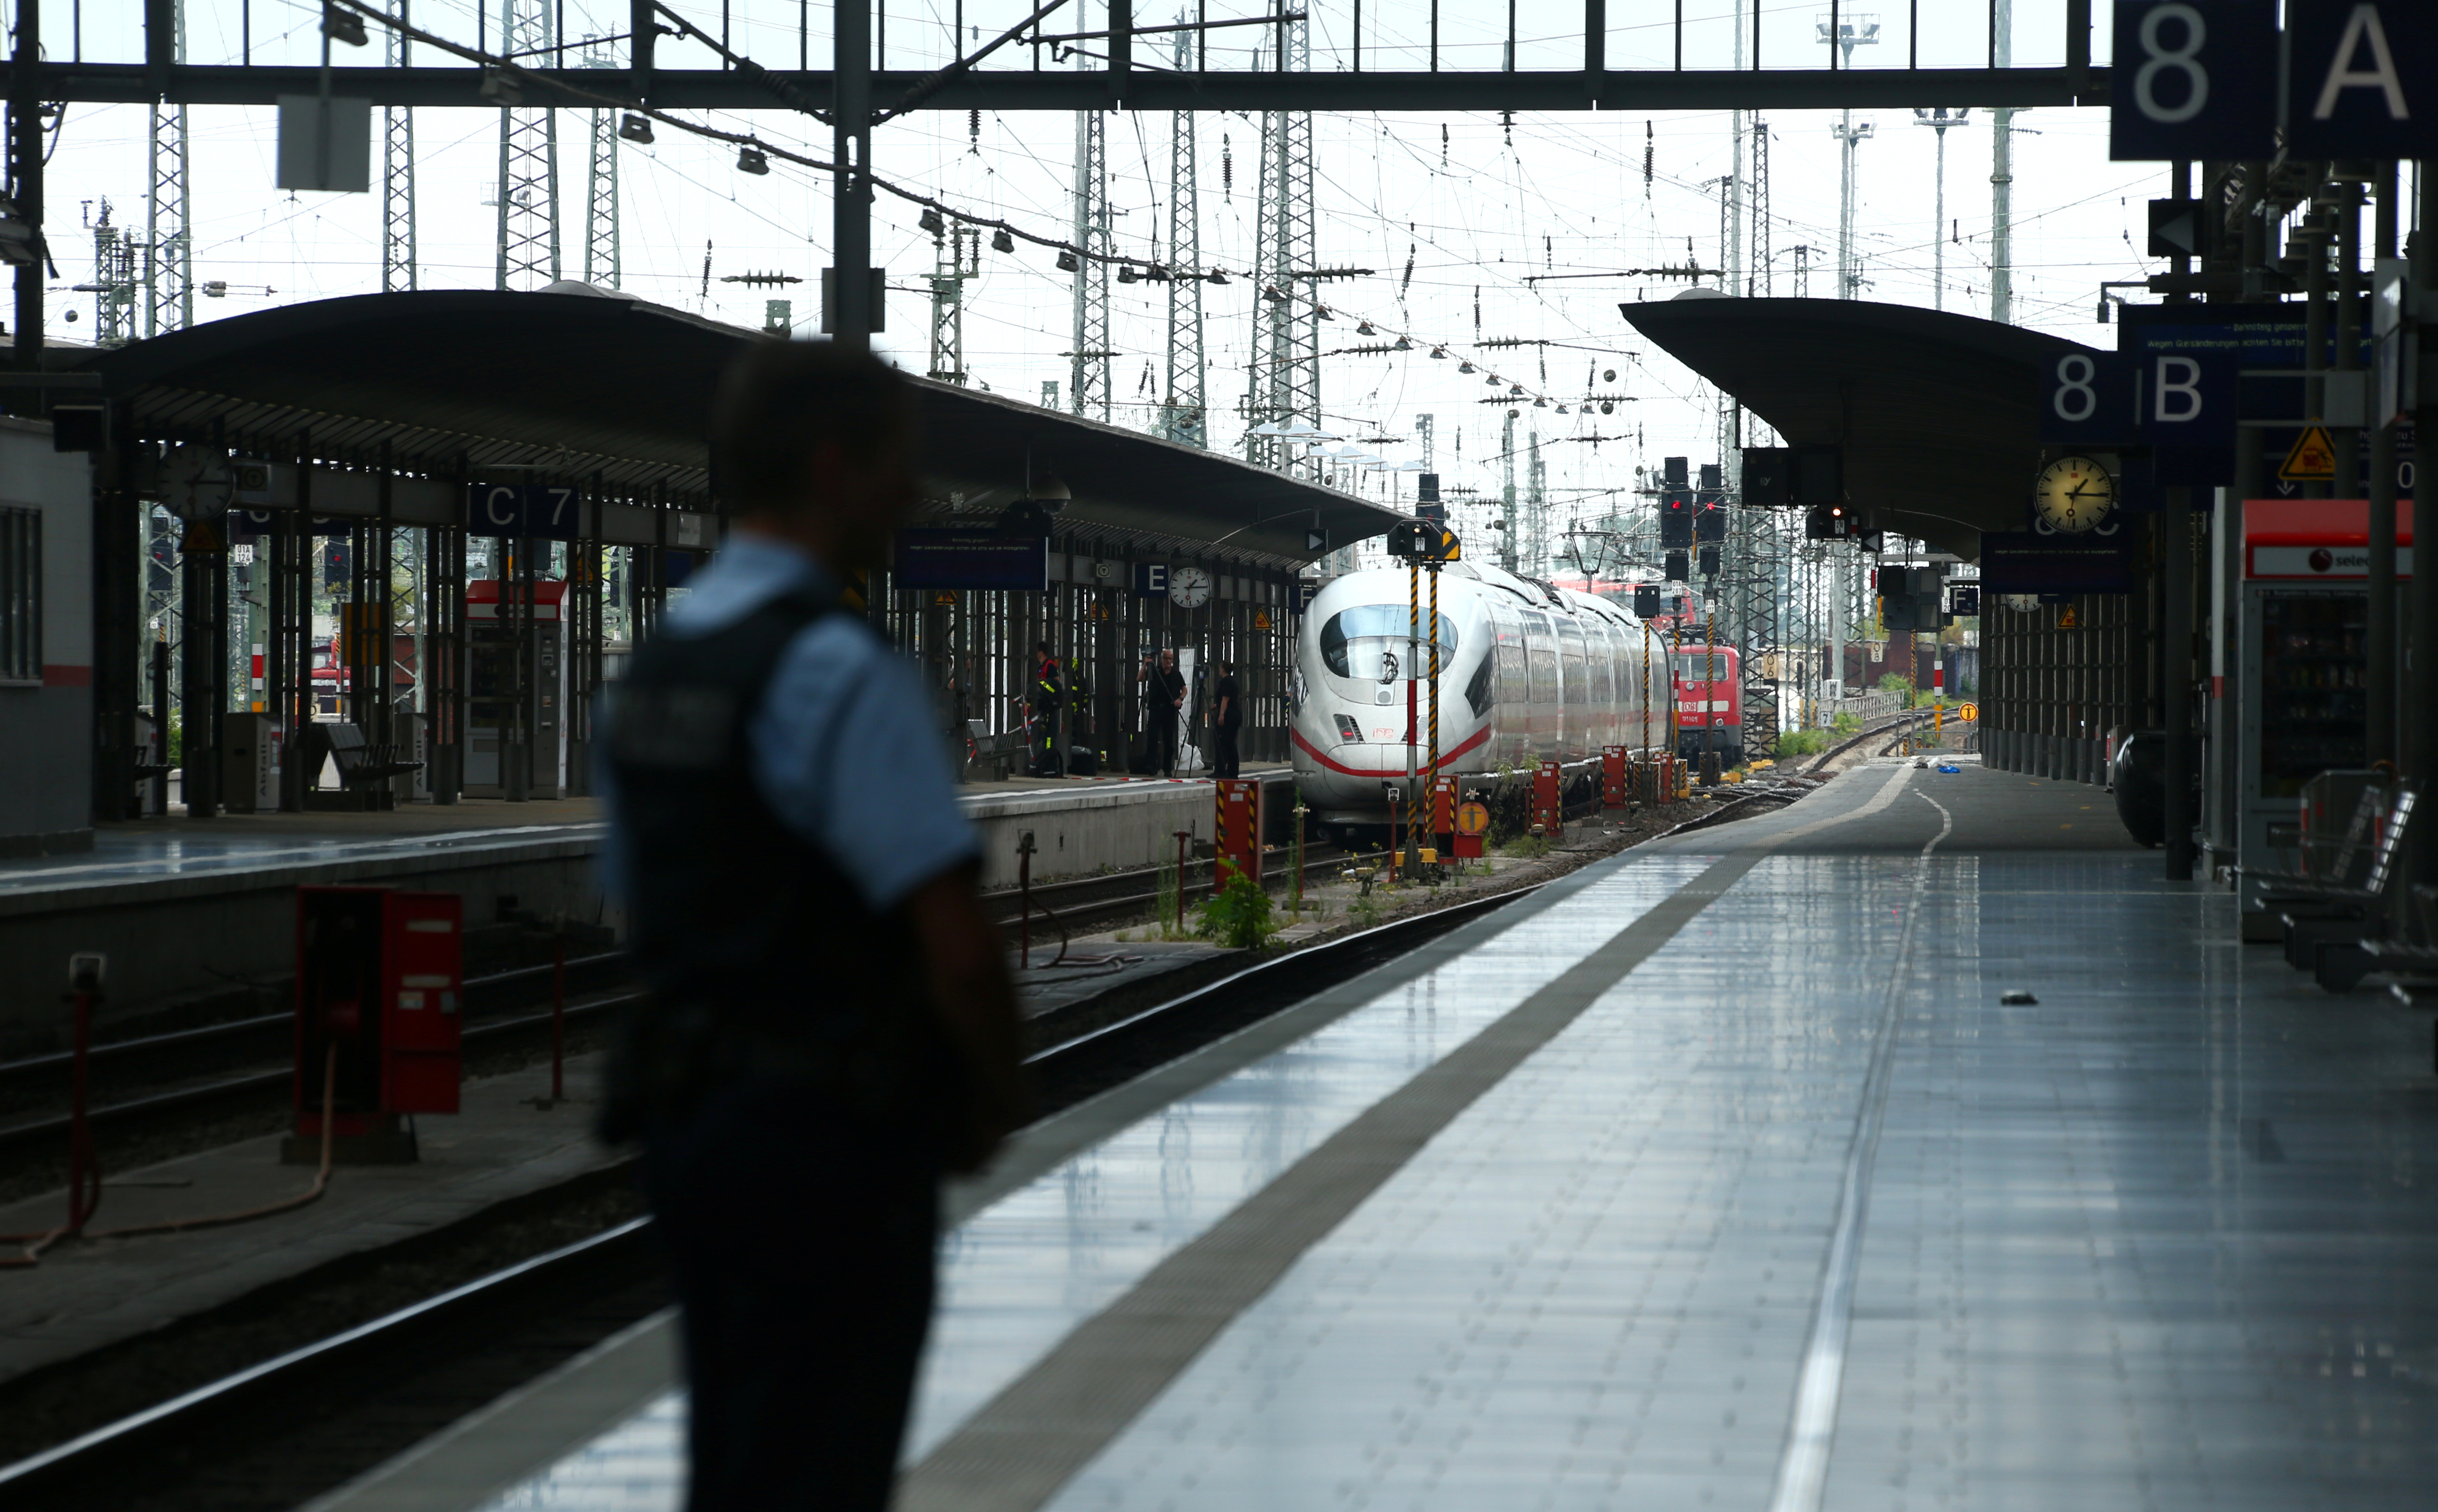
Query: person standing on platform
[[828, 1025], [1226, 718], [1163, 696], [1045, 697]]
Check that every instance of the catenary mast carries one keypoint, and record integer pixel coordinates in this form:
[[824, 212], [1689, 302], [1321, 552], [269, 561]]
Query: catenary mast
[[1184, 412]]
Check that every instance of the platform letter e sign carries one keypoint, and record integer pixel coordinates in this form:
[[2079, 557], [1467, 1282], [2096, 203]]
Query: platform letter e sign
[[2177, 388]]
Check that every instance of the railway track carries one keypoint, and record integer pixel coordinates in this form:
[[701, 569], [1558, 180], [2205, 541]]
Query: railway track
[[153, 1081], [270, 1436], [1111, 896], [198, 1073]]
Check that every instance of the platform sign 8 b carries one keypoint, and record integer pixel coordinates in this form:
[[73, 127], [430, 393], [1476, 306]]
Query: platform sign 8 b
[[2194, 79], [2086, 400]]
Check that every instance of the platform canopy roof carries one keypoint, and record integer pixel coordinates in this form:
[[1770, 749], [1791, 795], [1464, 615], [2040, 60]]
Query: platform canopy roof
[[1937, 412], [579, 384]]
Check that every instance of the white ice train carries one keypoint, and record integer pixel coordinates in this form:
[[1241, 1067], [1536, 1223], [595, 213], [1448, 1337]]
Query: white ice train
[[1527, 670]]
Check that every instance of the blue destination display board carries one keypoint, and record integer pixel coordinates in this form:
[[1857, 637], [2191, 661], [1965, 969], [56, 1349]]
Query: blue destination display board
[[971, 559], [2029, 562]]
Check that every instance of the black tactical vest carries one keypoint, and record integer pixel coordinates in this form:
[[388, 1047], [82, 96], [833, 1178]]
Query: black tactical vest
[[758, 954]]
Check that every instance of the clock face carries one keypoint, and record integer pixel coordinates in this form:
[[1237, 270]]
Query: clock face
[[2073, 495], [1189, 588]]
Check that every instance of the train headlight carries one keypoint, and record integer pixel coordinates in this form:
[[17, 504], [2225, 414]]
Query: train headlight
[[1347, 730]]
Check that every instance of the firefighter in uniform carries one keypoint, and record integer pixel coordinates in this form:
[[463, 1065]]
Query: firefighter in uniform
[[828, 1025], [1045, 698]]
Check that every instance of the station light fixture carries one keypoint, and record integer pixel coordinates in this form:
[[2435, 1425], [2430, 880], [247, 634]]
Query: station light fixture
[[502, 91], [1466, 366], [340, 24], [749, 160], [1218, 279], [1001, 242], [1363, 329], [632, 127], [1126, 274], [1066, 261], [1322, 310], [20, 246], [929, 221], [1404, 345]]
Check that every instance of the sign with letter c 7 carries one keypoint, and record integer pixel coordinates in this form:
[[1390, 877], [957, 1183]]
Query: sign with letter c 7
[[525, 511]]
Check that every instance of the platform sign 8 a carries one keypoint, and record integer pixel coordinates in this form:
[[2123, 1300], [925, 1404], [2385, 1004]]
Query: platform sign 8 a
[[2194, 79], [2359, 79]]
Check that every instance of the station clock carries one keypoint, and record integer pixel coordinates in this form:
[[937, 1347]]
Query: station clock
[[1189, 588], [2074, 494]]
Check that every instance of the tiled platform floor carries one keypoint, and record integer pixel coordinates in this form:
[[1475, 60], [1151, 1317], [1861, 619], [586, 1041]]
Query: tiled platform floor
[[2163, 1239]]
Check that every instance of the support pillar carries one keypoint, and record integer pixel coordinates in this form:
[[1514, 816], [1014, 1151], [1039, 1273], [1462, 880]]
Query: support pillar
[[2176, 647]]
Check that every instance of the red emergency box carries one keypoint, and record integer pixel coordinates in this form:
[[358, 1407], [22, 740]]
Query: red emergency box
[[1239, 828], [1549, 799], [381, 980], [1614, 778], [1443, 797]]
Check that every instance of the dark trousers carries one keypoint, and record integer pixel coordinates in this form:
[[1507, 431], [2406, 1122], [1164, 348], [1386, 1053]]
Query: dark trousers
[[1160, 743], [802, 1242], [1224, 760], [1048, 760]]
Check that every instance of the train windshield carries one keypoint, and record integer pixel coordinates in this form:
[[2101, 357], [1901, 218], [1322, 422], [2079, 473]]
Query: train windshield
[[1369, 640], [1700, 666]]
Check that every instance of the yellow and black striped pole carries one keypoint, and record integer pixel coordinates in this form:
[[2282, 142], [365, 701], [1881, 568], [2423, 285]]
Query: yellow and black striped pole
[[1412, 857], [1435, 673]]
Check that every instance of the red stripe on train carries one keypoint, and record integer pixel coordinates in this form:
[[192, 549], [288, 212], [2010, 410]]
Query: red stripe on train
[[1308, 748]]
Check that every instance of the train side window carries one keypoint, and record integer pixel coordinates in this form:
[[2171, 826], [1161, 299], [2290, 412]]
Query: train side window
[[1477, 692], [1541, 651]]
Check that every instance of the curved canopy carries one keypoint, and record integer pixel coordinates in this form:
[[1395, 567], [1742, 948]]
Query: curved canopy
[[1937, 412], [584, 383]]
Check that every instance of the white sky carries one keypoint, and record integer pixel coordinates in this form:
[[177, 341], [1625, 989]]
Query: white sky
[[1478, 211]]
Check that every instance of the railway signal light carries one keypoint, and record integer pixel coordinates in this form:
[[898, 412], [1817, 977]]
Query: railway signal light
[[1646, 601], [1677, 569], [1420, 540], [1832, 523], [1675, 518], [1710, 555]]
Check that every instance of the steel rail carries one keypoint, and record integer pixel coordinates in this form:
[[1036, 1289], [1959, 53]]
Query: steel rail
[[23, 1138], [482, 994]]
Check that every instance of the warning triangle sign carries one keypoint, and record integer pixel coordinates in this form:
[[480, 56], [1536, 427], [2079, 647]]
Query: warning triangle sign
[[2312, 458]]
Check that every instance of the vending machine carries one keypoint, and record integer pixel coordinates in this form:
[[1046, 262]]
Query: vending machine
[[500, 703], [2303, 627]]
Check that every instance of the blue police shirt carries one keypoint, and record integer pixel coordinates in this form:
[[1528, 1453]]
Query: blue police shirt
[[844, 747]]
